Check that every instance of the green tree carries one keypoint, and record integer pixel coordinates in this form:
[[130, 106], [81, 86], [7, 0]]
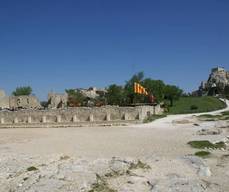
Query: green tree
[[129, 89], [115, 95], [172, 93], [75, 98], [25, 90], [155, 88]]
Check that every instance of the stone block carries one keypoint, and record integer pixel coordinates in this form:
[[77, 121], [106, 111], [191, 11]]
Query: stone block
[[44, 119], [29, 120], [2, 120], [15, 120], [58, 119], [108, 117], [91, 117]]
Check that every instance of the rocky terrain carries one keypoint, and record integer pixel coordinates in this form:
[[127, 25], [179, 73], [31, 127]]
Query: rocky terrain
[[217, 83], [154, 157]]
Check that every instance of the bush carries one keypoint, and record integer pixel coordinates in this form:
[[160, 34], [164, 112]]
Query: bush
[[32, 168], [193, 107], [202, 154], [206, 144], [22, 91]]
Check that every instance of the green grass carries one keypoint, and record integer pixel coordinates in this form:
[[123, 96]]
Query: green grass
[[139, 165], [207, 117], [202, 154], [220, 145], [225, 113], [101, 185], [206, 144], [202, 104], [32, 168]]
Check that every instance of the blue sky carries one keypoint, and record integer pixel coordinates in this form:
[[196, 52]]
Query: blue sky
[[52, 45]]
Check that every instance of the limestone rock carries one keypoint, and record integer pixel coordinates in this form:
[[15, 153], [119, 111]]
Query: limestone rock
[[216, 84]]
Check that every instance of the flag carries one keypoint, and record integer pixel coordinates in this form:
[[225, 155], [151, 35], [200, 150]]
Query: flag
[[140, 89]]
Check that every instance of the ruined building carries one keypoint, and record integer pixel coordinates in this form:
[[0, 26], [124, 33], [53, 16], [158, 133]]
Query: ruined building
[[56, 101], [92, 92], [16, 102]]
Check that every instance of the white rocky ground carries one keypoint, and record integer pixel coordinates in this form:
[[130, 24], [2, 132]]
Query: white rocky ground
[[152, 157]]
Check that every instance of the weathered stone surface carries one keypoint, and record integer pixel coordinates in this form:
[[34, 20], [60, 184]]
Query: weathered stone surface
[[15, 102], [25, 102], [218, 80], [76, 115], [199, 165], [56, 101], [210, 131]]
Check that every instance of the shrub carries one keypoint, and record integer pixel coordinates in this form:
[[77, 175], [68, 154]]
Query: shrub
[[139, 165], [32, 168], [206, 144], [202, 154], [193, 107], [22, 91]]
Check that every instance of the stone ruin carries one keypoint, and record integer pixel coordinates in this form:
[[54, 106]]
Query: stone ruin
[[216, 84], [92, 92], [18, 102], [58, 115], [56, 101], [77, 116]]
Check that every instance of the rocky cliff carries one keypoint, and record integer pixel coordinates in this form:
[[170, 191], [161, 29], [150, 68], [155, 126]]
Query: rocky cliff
[[217, 83]]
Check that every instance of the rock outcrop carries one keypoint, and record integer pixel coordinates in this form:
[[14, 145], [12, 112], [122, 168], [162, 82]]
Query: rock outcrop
[[217, 83]]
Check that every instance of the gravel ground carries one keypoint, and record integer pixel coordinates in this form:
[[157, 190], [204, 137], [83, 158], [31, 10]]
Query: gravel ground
[[151, 157]]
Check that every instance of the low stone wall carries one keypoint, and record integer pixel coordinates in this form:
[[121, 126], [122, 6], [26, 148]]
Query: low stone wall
[[77, 116]]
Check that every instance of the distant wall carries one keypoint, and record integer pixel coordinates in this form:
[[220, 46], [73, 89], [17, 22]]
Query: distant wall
[[57, 100], [78, 115], [28, 102], [14, 102]]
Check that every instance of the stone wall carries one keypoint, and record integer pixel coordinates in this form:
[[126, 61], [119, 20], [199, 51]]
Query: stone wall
[[57, 100], [27, 102], [14, 102], [77, 116]]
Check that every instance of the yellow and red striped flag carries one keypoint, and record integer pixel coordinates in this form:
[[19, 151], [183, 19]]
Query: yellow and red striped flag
[[139, 89]]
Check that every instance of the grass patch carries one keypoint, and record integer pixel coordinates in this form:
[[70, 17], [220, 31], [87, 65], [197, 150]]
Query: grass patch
[[196, 105], [202, 154], [139, 165], [220, 145], [208, 117], [225, 113], [32, 168], [153, 118], [25, 179], [206, 144], [114, 174], [101, 185]]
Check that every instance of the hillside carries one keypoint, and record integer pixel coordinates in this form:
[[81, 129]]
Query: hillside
[[196, 105]]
